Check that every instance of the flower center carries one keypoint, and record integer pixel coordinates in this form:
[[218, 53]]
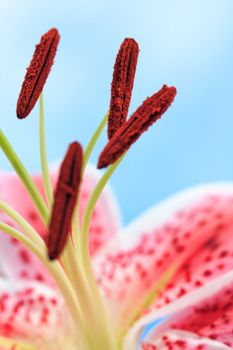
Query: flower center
[[71, 268], [68, 237]]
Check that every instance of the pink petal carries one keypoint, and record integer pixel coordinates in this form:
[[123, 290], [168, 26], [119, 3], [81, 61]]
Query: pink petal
[[209, 321], [13, 192], [7, 348], [193, 229], [17, 260], [32, 312], [183, 341]]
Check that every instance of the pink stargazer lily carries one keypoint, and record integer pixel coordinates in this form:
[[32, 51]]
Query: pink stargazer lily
[[91, 284], [192, 230]]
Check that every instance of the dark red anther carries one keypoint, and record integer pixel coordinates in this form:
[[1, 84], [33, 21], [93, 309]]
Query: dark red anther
[[37, 72], [64, 200], [122, 84], [148, 113]]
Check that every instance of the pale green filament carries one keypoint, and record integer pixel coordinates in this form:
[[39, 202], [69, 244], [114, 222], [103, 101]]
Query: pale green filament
[[78, 280], [84, 238], [84, 250], [43, 157], [86, 157], [24, 176], [86, 301], [93, 141], [93, 311], [84, 242]]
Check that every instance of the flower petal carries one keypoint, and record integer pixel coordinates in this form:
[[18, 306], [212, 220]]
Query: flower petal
[[193, 230], [207, 322], [188, 312], [32, 312], [183, 340], [18, 261], [13, 192]]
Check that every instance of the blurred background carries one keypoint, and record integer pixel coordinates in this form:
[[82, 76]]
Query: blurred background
[[183, 43]]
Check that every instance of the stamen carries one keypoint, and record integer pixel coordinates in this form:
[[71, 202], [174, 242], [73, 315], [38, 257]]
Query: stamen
[[122, 84], [148, 113], [37, 72], [73, 273], [65, 200]]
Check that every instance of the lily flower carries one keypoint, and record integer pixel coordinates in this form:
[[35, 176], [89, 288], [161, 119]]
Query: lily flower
[[72, 278]]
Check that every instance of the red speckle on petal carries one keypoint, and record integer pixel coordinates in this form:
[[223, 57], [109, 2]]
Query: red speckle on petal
[[149, 346], [24, 256]]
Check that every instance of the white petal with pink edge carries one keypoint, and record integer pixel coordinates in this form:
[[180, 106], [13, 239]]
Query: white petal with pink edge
[[189, 229]]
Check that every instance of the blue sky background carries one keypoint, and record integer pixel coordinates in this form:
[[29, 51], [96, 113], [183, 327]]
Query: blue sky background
[[183, 43]]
